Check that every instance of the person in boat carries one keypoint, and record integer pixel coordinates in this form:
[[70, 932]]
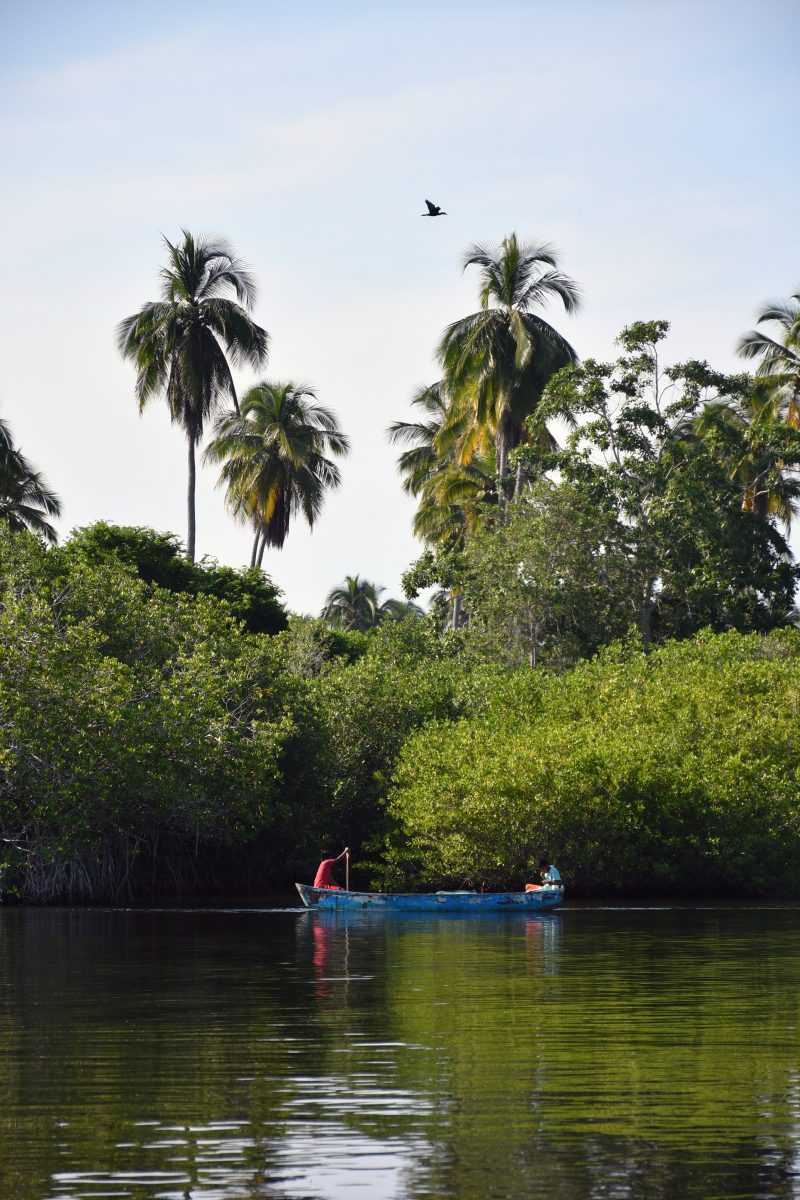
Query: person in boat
[[548, 873], [325, 876]]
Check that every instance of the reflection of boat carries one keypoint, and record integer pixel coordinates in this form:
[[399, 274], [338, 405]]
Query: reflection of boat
[[539, 900]]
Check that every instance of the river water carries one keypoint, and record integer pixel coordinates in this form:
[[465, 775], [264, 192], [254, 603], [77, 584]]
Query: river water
[[210, 1054]]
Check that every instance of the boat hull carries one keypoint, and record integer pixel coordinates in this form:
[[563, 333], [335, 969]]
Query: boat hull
[[544, 898]]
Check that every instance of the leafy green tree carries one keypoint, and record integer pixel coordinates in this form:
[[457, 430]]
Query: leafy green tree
[[670, 771], [700, 560], [26, 501], [407, 678], [185, 344], [158, 558], [274, 457], [779, 358], [553, 583], [497, 360], [312, 646], [145, 739]]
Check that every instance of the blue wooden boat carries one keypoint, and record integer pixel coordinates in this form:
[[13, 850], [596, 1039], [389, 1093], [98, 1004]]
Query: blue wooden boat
[[542, 899]]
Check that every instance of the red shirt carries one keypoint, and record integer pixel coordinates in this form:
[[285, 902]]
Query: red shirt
[[324, 876]]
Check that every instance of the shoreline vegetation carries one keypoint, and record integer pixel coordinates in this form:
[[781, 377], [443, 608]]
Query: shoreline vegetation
[[608, 671]]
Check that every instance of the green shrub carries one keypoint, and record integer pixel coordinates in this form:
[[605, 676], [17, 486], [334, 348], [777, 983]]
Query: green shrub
[[676, 771]]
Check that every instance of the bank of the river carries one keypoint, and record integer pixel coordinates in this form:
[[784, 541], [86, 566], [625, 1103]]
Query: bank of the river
[[152, 745]]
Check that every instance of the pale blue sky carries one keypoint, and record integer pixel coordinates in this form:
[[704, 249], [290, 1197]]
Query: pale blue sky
[[652, 142]]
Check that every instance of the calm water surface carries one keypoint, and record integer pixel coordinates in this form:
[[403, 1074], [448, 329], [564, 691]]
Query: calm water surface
[[207, 1055]]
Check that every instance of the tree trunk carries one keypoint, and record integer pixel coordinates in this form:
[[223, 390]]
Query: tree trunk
[[190, 538], [646, 612], [518, 481], [456, 618], [502, 466], [254, 552], [262, 548]]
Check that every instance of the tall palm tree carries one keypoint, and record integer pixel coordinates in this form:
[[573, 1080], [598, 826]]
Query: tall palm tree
[[780, 359], [423, 456], [450, 491], [274, 456], [496, 361], [26, 501], [185, 344], [452, 495], [356, 605]]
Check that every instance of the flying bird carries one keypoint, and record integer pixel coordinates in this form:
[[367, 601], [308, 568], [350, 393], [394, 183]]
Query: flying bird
[[433, 210]]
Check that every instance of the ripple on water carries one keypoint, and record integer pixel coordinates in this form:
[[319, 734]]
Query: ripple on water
[[210, 1055]]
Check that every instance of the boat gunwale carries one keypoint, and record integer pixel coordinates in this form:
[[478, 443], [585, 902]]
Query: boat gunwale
[[548, 896]]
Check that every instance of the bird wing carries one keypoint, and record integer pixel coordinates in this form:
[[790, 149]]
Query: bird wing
[[432, 208]]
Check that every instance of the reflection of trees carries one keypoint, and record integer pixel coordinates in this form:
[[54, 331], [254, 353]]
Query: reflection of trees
[[119, 1018], [667, 1047], [577, 1055]]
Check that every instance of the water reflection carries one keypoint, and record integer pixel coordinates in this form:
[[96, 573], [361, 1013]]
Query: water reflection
[[208, 1055]]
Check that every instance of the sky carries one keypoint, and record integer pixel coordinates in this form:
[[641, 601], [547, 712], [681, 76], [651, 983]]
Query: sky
[[651, 142]]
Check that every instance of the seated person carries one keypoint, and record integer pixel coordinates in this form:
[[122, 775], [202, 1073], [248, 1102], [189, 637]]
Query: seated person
[[324, 877], [548, 873]]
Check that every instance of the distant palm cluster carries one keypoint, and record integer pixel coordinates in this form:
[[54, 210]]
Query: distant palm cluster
[[277, 447]]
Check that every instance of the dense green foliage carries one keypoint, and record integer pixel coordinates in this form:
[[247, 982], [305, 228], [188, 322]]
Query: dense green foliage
[[158, 558], [164, 723], [677, 770], [141, 731]]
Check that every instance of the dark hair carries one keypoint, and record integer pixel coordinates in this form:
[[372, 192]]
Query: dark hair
[[544, 862]]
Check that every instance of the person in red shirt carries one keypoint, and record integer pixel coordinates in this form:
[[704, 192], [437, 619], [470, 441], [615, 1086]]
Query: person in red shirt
[[324, 876]]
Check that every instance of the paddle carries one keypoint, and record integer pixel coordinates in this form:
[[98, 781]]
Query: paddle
[[347, 870]]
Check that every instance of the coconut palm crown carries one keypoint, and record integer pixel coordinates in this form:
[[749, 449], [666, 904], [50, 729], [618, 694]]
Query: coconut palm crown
[[275, 457], [760, 447], [496, 361], [184, 345], [779, 358], [356, 605], [26, 501]]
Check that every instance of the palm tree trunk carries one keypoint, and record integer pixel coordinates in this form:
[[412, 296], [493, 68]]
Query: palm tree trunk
[[518, 481], [502, 466], [254, 552], [456, 619], [190, 537], [262, 548]]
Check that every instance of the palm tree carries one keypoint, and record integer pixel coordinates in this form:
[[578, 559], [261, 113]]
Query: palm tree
[[452, 495], [450, 491], [185, 344], [497, 361], [422, 437], [780, 360], [356, 605], [274, 456], [759, 447], [25, 499]]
